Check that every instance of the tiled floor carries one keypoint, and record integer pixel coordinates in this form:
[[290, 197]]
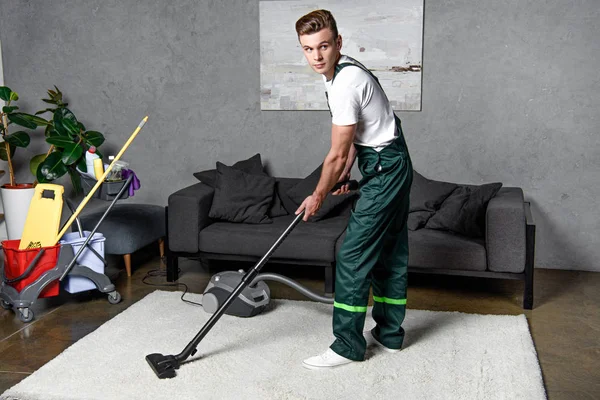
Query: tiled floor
[[565, 321]]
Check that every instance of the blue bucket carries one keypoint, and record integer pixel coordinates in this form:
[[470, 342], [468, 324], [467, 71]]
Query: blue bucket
[[87, 258]]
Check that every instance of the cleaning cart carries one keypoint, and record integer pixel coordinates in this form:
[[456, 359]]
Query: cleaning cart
[[35, 265], [35, 272]]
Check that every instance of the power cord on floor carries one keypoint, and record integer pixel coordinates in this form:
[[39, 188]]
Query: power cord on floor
[[163, 273]]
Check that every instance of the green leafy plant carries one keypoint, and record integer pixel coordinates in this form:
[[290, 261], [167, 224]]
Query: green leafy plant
[[69, 140], [11, 116]]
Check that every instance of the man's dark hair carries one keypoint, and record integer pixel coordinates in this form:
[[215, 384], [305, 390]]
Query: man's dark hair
[[315, 21]]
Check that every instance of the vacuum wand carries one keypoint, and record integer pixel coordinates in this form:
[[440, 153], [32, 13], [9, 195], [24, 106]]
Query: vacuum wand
[[165, 366]]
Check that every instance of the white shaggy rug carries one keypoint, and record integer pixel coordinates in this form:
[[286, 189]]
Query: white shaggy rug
[[446, 355]]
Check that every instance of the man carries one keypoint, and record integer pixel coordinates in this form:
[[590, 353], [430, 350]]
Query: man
[[375, 250]]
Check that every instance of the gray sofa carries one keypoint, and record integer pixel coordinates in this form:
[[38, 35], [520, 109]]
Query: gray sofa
[[506, 251]]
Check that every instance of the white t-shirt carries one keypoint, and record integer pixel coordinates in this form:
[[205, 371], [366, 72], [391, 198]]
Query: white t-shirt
[[356, 98]]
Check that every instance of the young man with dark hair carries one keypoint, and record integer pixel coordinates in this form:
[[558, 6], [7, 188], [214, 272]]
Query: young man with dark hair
[[375, 250]]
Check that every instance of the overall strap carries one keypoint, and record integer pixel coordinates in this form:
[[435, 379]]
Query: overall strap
[[341, 66]]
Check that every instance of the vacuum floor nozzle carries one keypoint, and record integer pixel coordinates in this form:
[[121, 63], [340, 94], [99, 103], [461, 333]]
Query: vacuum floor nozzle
[[163, 366]]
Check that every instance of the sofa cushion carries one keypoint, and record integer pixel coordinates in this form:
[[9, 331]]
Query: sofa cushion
[[427, 194], [307, 186], [464, 210], [307, 241], [241, 197], [433, 249], [253, 165]]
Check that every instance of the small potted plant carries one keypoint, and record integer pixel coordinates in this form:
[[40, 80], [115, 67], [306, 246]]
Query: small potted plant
[[15, 196], [68, 139]]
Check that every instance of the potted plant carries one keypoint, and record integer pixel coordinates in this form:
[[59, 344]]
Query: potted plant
[[15, 196], [68, 139]]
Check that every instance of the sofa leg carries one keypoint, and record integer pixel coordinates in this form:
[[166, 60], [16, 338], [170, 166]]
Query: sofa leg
[[127, 259], [529, 260], [171, 259], [172, 267], [528, 291], [528, 294], [330, 280], [161, 247]]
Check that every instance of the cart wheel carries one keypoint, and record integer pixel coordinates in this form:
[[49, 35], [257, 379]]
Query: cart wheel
[[25, 315], [6, 305], [114, 298]]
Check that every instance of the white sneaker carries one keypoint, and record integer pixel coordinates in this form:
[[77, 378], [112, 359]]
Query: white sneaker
[[371, 341], [329, 359]]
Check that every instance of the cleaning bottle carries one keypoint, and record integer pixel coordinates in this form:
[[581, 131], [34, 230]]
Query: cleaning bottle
[[90, 156], [115, 172], [98, 168]]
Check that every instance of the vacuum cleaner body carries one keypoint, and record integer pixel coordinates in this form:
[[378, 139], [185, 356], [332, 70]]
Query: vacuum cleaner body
[[250, 302]]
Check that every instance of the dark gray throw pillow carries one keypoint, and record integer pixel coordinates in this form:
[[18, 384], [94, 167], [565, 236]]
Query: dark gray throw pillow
[[281, 188], [299, 192], [241, 197], [464, 210], [253, 165], [418, 219], [427, 194], [277, 208]]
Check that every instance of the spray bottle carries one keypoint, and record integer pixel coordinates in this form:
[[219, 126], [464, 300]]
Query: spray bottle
[[94, 168]]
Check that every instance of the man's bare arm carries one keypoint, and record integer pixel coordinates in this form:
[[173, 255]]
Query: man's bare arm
[[342, 138], [346, 173], [349, 162], [336, 161]]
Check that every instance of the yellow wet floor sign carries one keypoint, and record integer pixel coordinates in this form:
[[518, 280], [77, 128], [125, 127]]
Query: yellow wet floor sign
[[43, 218]]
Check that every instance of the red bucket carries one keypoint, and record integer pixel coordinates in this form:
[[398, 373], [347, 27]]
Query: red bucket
[[16, 262]]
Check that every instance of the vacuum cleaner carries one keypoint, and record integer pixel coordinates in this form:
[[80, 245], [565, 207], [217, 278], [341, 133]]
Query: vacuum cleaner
[[242, 294], [254, 298]]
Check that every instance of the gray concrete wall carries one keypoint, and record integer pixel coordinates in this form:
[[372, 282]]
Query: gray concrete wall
[[511, 93]]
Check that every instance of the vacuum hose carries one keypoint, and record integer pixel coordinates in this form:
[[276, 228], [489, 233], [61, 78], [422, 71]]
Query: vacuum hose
[[294, 285]]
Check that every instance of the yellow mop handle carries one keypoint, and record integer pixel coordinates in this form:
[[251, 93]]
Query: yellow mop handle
[[100, 180]]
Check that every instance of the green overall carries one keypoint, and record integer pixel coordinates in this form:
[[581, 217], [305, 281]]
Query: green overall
[[375, 250]]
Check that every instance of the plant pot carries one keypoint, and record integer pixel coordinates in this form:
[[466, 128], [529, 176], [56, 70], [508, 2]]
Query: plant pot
[[16, 200]]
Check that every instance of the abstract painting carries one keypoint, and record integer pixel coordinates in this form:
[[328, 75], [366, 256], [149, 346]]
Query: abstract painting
[[385, 35]]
